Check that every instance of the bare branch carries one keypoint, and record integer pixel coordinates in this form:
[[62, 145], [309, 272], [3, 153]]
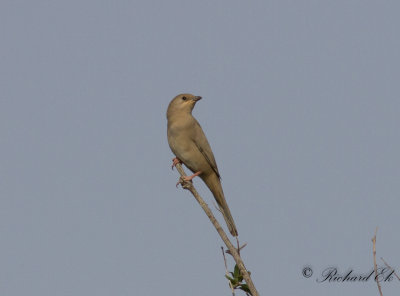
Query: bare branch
[[189, 186]]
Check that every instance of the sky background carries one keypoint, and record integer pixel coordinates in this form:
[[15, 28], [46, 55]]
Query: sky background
[[301, 107]]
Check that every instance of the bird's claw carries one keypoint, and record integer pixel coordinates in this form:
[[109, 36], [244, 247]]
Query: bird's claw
[[175, 161], [183, 180]]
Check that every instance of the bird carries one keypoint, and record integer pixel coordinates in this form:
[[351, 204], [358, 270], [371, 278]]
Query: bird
[[190, 146]]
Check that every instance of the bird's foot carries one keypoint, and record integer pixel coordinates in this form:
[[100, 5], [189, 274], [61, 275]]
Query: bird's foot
[[175, 161], [184, 179]]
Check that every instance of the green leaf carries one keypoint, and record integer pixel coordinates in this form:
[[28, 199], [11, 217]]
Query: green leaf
[[236, 271], [229, 278], [245, 288]]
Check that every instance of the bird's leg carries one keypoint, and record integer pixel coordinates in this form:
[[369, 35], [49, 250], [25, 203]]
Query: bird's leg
[[188, 178], [175, 161]]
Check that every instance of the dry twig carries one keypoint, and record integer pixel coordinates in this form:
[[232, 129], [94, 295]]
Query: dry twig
[[388, 266], [375, 266], [227, 272]]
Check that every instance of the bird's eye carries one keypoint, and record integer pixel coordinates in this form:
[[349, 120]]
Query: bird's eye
[[184, 98]]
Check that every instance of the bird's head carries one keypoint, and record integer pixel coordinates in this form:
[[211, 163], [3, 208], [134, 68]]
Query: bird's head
[[183, 103]]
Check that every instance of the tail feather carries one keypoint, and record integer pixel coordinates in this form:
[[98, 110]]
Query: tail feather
[[226, 213], [214, 185]]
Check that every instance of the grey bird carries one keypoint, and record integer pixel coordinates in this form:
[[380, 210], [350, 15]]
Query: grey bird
[[190, 146]]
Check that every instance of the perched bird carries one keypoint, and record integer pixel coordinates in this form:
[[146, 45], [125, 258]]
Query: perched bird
[[190, 146]]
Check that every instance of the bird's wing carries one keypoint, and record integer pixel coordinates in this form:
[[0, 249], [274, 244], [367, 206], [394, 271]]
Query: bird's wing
[[202, 144]]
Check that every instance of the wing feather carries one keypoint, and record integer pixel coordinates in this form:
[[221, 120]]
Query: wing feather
[[204, 147]]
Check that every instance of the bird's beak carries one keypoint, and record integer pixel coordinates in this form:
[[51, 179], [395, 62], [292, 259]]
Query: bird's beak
[[197, 98]]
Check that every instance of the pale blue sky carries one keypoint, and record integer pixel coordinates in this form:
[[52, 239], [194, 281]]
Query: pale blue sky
[[301, 107]]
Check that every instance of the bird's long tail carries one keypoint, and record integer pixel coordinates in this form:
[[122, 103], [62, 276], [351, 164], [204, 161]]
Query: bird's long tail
[[216, 189], [228, 218]]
